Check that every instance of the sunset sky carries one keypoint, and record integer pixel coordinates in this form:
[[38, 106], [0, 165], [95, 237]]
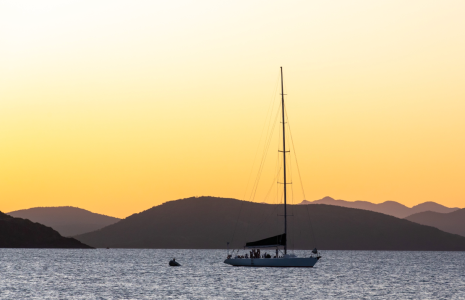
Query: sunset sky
[[117, 106]]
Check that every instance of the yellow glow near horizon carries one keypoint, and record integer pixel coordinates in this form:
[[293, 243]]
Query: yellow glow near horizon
[[117, 106]]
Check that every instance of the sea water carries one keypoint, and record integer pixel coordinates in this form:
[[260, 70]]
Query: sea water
[[145, 274]]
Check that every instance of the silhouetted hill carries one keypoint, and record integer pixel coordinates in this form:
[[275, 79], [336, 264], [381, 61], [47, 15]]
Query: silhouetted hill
[[209, 222], [67, 220], [391, 208], [21, 233], [453, 222]]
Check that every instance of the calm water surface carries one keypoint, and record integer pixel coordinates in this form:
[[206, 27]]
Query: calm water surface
[[144, 274]]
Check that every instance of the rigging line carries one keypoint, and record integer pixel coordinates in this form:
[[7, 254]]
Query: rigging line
[[237, 220], [276, 206], [274, 182], [269, 133], [262, 164], [294, 211], [247, 233], [295, 219], [265, 153], [278, 165], [290, 179], [300, 177], [270, 113], [269, 191], [264, 221], [291, 208]]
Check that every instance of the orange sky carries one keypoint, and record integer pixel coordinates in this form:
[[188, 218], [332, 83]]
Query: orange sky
[[117, 106]]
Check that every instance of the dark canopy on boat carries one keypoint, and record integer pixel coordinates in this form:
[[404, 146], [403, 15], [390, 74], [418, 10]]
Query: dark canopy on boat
[[274, 241]]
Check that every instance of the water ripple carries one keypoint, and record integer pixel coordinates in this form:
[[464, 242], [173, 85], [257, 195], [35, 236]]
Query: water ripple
[[145, 274]]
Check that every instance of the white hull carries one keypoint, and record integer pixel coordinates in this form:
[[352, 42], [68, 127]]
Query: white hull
[[294, 262]]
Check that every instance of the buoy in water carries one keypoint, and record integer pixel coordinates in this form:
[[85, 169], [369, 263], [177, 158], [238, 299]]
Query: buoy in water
[[174, 263]]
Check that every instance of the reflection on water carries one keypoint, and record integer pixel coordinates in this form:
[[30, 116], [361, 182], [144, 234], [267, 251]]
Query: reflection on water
[[145, 274]]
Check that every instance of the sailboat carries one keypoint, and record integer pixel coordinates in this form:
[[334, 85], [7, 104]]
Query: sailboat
[[278, 242]]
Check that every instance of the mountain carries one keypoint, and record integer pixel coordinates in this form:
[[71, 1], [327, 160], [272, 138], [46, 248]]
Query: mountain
[[67, 220], [453, 222], [209, 222], [391, 208], [22, 233], [432, 206]]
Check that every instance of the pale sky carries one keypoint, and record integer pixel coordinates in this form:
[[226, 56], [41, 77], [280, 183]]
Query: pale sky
[[117, 106]]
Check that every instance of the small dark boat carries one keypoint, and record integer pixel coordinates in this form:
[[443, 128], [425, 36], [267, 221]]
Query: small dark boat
[[174, 263]]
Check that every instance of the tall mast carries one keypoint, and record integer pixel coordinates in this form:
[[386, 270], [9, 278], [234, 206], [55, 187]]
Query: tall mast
[[284, 161]]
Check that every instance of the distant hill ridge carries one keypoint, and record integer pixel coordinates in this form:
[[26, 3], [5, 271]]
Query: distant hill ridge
[[210, 222], [67, 220], [453, 222], [22, 233], [391, 208]]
